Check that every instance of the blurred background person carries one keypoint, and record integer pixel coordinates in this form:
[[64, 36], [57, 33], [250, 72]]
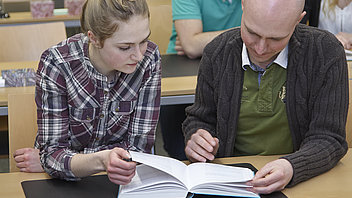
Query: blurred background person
[[197, 22], [332, 15]]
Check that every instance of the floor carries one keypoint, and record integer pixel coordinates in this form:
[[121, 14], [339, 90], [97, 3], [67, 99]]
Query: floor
[[159, 150]]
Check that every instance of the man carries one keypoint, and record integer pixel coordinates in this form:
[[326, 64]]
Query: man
[[196, 23], [272, 87]]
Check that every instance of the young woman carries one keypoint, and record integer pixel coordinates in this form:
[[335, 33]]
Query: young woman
[[332, 15], [98, 94]]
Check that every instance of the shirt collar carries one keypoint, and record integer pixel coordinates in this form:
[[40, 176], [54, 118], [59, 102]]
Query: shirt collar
[[230, 1], [281, 59]]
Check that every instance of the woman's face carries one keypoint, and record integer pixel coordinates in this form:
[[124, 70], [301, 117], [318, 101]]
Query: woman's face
[[124, 48]]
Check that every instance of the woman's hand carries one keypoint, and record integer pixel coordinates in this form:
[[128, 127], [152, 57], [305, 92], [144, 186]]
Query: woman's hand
[[119, 171], [27, 160]]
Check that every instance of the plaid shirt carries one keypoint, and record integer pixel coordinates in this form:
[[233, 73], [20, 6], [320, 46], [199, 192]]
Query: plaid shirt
[[79, 111]]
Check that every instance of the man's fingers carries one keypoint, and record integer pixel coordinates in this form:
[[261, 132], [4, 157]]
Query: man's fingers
[[201, 147], [194, 156], [203, 143], [267, 189], [216, 147], [207, 136]]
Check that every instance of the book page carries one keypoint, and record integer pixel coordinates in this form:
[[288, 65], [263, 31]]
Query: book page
[[151, 182], [168, 165], [201, 173]]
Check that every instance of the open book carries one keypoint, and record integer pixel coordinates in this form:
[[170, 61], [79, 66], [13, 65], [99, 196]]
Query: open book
[[166, 177]]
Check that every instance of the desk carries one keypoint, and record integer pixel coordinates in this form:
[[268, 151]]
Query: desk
[[20, 18], [179, 79], [334, 183], [178, 83]]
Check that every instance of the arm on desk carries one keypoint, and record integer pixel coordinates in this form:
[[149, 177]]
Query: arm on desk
[[112, 161], [191, 39], [27, 160]]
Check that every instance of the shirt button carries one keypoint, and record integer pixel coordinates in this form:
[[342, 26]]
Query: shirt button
[[106, 92], [88, 118], [101, 115], [117, 109]]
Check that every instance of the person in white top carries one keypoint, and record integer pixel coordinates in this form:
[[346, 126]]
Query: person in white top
[[332, 15]]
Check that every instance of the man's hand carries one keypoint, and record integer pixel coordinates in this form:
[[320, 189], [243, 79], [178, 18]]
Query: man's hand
[[202, 146], [178, 47], [119, 171], [274, 176], [27, 160], [345, 39]]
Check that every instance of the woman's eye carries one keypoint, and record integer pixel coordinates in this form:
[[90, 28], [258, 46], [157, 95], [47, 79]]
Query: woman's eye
[[124, 48]]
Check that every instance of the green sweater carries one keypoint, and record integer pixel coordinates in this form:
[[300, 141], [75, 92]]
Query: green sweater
[[317, 98]]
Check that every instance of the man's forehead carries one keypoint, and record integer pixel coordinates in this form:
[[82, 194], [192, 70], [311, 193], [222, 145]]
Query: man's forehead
[[268, 33]]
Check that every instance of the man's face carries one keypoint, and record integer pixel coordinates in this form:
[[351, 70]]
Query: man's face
[[265, 35]]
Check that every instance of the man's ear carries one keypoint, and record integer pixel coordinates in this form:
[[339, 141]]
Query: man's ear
[[93, 39], [301, 16]]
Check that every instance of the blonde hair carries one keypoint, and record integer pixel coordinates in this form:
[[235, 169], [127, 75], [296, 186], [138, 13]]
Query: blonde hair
[[329, 7], [102, 16]]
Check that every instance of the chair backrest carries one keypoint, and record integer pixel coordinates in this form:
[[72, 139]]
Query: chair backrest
[[160, 22], [22, 118], [27, 42]]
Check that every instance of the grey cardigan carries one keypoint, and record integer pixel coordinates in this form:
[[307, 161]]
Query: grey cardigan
[[317, 98]]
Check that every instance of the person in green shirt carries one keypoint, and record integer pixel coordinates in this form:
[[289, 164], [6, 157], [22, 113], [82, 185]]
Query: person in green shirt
[[197, 22]]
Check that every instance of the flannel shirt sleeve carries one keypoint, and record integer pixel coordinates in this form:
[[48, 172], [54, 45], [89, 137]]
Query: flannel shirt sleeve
[[53, 138]]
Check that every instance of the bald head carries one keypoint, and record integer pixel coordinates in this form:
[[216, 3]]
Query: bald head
[[278, 11], [272, 16]]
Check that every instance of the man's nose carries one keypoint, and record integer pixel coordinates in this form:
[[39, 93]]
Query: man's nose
[[260, 47]]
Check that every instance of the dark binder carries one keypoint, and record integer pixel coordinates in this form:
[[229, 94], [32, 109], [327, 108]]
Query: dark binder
[[89, 187]]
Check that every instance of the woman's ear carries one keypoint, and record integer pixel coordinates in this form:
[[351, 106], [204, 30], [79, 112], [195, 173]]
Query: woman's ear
[[93, 39]]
